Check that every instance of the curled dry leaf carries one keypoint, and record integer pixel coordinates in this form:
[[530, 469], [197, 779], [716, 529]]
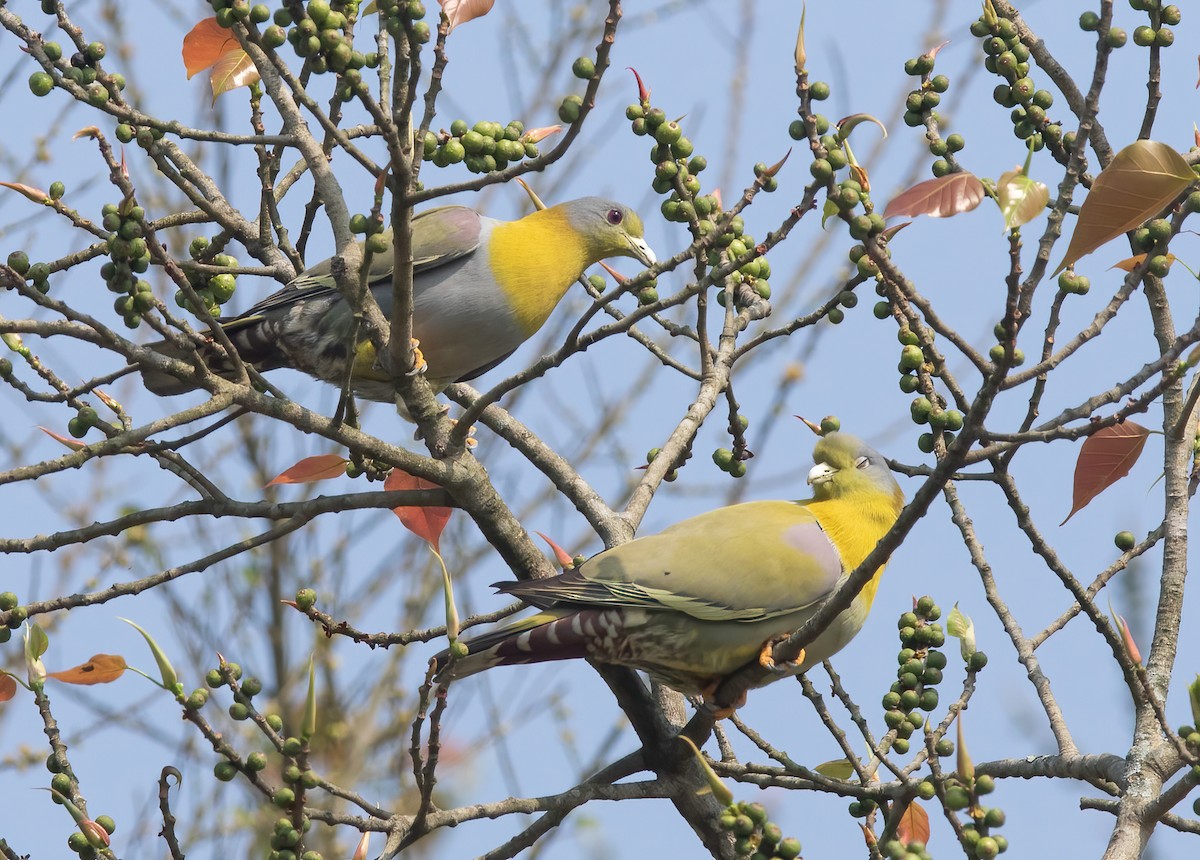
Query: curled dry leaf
[[849, 123], [1131, 263], [1106, 457], [1140, 180], [316, 468], [99, 669], [939, 198]]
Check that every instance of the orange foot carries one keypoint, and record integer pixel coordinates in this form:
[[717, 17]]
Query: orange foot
[[720, 713], [767, 660], [419, 365], [471, 441]]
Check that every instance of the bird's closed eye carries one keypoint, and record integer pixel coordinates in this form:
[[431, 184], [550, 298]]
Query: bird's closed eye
[[861, 463]]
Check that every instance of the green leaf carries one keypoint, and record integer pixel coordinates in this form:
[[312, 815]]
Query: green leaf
[[36, 642], [839, 768], [961, 627], [1021, 199]]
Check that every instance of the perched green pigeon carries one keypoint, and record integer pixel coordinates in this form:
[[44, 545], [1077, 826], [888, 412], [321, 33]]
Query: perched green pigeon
[[481, 288], [699, 600]]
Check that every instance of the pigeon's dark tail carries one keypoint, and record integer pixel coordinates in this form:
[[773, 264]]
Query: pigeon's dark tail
[[245, 336]]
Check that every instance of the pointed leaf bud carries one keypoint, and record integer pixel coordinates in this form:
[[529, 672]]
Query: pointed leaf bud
[[723, 795], [36, 643], [170, 681], [309, 727], [963, 764], [801, 52], [643, 90]]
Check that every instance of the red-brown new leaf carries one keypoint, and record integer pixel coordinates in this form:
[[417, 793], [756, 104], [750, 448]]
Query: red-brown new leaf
[[1106, 457], [316, 468], [914, 824], [8, 687], [426, 523], [939, 198]]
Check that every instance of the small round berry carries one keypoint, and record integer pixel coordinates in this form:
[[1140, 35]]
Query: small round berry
[[40, 83], [584, 68]]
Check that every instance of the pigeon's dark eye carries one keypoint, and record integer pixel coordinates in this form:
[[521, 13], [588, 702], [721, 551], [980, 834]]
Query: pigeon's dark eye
[[615, 216]]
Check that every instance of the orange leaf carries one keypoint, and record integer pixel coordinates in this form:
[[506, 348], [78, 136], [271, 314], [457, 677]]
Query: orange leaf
[[207, 42], [426, 523], [939, 198], [73, 444], [462, 11], [914, 824], [1106, 457], [316, 468], [1131, 263], [565, 559], [8, 687], [1140, 180], [100, 669]]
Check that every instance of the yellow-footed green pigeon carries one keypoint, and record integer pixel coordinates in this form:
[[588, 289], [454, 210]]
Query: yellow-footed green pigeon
[[692, 604], [481, 288]]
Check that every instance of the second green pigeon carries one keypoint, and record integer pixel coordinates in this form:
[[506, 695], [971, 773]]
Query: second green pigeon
[[699, 600]]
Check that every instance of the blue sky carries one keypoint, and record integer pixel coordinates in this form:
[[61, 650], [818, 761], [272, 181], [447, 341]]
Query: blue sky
[[727, 68]]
